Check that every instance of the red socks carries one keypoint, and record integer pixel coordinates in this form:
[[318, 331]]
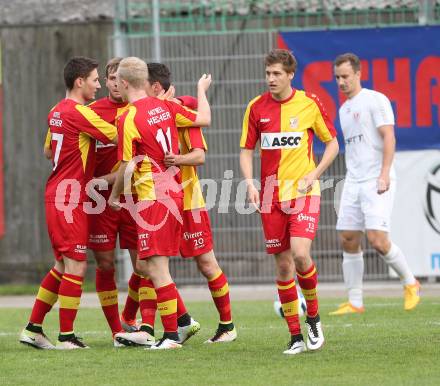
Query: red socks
[[308, 281], [108, 297], [218, 285], [132, 303], [167, 307], [69, 296], [147, 302], [46, 297], [289, 302]]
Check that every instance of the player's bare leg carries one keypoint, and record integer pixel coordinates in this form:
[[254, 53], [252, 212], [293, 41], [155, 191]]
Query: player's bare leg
[[219, 287], [394, 257], [307, 277]]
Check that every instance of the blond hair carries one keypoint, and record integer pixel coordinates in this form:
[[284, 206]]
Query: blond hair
[[134, 71]]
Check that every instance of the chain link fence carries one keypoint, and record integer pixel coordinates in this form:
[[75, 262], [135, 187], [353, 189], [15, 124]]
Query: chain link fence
[[229, 40]]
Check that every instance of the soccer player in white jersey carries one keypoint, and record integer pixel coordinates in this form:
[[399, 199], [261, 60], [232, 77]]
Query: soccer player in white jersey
[[367, 123]]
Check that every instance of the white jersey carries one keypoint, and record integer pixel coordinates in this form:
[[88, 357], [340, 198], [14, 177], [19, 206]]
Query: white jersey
[[360, 117]]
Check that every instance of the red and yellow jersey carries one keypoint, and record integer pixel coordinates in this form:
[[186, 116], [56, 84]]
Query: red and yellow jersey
[[107, 155], [148, 129], [189, 139], [285, 130], [73, 129]]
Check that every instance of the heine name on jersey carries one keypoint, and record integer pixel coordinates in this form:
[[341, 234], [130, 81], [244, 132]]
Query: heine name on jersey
[[354, 139], [158, 115], [284, 140]]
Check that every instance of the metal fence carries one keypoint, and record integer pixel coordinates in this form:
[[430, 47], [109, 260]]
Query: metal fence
[[229, 39]]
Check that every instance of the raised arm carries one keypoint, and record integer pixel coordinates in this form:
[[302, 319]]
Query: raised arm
[[204, 110]]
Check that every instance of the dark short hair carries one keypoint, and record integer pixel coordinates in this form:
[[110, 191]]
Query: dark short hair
[[351, 58], [78, 67], [112, 66], [159, 72], [284, 57]]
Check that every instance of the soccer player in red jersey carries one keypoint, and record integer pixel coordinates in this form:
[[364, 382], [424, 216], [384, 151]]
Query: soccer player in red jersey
[[196, 239], [285, 120], [147, 131], [106, 226], [73, 128]]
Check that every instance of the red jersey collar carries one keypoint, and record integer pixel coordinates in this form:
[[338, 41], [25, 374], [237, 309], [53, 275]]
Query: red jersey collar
[[284, 100]]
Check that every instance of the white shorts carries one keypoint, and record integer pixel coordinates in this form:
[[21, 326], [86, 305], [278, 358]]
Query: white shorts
[[362, 208]]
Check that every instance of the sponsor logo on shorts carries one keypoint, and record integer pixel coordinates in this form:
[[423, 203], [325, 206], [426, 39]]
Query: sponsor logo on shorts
[[189, 236], [80, 248], [99, 239], [265, 120], [310, 222], [196, 238], [143, 241], [273, 243], [303, 217], [285, 140]]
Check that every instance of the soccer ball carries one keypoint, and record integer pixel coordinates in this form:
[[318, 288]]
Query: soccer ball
[[302, 306]]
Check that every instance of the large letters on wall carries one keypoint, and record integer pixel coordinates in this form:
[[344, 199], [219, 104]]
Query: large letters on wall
[[402, 63]]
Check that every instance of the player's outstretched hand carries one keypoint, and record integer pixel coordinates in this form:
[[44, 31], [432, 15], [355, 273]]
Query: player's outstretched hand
[[205, 81]]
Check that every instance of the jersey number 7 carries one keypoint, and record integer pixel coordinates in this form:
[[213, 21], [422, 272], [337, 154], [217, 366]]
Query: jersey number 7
[[58, 138]]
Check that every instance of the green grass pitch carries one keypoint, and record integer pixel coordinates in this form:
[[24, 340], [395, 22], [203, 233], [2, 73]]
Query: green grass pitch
[[384, 346]]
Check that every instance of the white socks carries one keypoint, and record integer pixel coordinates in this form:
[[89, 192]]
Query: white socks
[[353, 270], [396, 260]]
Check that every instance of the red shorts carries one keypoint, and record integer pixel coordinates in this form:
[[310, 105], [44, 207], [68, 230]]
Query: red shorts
[[295, 218], [105, 227], [159, 228], [196, 233], [67, 230]]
